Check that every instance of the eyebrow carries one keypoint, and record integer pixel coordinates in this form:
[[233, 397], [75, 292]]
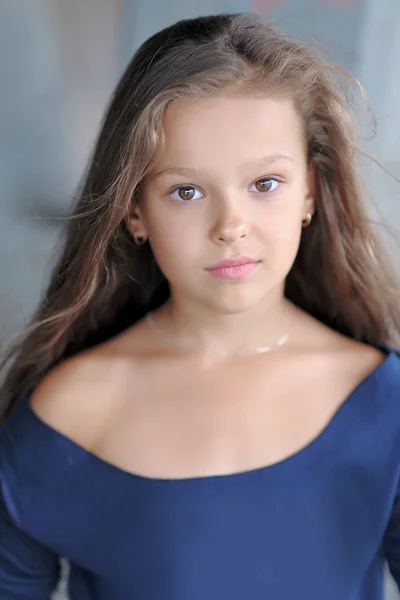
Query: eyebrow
[[262, 162]]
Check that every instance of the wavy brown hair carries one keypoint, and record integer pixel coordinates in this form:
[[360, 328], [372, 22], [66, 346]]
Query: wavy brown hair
[[102, 282]]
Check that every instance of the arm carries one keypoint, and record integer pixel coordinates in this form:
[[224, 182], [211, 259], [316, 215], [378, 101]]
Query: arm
[[68, 401], [391, 541], [28, 571]]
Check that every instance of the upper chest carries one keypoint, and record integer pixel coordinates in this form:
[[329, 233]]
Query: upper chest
[[178, 420]]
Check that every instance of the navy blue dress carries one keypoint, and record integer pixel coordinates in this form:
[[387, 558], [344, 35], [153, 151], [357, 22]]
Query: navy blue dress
[[318, 525]]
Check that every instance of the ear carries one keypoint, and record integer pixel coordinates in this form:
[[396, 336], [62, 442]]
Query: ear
[[134, 223]]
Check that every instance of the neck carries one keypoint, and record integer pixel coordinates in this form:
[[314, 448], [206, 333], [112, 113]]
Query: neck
[[213, 333]]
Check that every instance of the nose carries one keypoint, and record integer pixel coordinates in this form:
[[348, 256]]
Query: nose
[[230, 227]]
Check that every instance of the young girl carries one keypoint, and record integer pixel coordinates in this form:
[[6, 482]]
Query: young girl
[[207, 405]]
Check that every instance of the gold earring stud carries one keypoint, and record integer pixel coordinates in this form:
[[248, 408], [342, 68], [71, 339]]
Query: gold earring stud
[[307, 220], [139, 239]]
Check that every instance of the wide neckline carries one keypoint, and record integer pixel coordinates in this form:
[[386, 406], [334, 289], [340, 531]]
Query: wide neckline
[[316, 445]]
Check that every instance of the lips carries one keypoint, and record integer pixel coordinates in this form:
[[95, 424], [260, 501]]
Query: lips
[[233, 262], [233, 268]]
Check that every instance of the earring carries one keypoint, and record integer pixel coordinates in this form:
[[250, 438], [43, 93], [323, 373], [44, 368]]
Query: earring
[[307, 220], [139, 239]]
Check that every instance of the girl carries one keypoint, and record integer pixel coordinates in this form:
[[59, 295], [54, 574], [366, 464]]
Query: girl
[[206, 404]]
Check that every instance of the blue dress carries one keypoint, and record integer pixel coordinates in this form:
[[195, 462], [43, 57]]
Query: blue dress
[[318, 525]]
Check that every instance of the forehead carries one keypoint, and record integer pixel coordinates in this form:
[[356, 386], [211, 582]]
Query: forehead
[[205, 131]]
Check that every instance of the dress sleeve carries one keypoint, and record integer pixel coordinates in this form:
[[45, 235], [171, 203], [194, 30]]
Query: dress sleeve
[[391, 541], [28, 570]]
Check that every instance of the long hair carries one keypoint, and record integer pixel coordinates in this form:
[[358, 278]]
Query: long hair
[[102, 282]]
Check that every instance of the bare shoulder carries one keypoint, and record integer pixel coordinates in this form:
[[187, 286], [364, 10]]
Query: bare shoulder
[[79, 397], [357, 359], [349, 364], [345, 358]]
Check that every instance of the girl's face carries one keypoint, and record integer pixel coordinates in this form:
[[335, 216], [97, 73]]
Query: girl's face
[[231, 183]]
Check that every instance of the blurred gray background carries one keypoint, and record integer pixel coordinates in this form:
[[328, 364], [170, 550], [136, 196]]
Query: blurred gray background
[[60, 60]]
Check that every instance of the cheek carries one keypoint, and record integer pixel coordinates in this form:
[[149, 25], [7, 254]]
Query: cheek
[[282, 224], [173, 245], [281, 238]]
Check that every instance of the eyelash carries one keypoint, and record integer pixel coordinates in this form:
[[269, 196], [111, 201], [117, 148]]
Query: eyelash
[[275, 179]]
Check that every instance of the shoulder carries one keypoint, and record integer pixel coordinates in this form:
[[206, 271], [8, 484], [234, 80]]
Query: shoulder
[[358, 359], [351, 363], [354, 365], [82, 396], [343, 361], [79, 397]]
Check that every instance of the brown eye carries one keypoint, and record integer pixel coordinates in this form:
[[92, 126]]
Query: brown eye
[[265, 185], [185, 193]]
